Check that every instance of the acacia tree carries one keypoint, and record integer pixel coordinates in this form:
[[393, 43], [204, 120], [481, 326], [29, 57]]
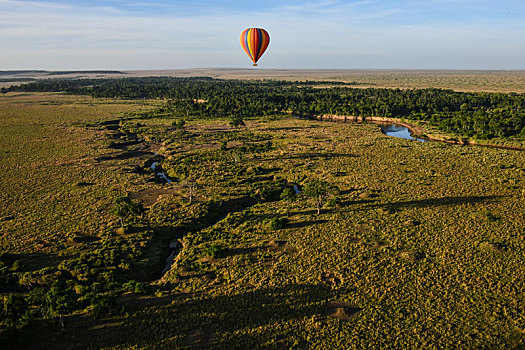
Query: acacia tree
[[319, 191]]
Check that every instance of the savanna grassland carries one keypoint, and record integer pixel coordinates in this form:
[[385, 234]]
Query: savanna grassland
[[422, 245]]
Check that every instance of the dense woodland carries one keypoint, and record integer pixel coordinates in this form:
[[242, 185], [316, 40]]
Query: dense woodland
[[481, 115]]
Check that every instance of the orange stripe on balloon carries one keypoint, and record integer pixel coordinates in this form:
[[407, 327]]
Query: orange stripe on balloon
[[244, 43]]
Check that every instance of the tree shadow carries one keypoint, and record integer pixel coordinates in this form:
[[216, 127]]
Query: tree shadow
[[353, 202], [124, 155], [241, 251], [315, 156], [304, 223], [286, 128], [433, 202], [37, 261], [348, 191]]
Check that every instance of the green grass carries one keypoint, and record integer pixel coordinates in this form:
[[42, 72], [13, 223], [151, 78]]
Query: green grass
[[425, 245]]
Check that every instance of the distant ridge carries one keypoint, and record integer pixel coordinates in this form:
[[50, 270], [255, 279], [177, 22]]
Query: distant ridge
[[18, 72], [12, 72]]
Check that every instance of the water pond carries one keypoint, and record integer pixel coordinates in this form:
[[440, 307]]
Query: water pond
[[396, 130]]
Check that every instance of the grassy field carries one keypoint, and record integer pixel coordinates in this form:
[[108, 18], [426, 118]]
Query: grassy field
[[423, 247]]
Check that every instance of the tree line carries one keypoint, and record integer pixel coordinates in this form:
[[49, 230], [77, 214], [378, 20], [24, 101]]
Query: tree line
[[472, 114]]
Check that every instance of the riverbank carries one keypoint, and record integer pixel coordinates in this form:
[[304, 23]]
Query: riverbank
[[417, 131]]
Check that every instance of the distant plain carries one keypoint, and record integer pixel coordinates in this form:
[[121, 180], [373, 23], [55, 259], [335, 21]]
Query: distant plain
[[459, 80]]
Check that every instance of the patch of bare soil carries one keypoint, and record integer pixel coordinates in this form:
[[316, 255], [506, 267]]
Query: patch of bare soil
[[197, 147], [492, 247], [276, 244], [362, 228], [378, 244], [341, 310], [150, 196]]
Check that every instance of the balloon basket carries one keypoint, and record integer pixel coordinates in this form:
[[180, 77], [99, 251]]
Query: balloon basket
[[255, 64]]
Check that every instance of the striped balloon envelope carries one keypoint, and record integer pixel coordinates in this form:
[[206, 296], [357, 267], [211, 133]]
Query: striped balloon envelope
[[255, 41]]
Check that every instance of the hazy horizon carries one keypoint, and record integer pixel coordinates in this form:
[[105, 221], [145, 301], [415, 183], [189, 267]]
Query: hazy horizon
[[174, 34]]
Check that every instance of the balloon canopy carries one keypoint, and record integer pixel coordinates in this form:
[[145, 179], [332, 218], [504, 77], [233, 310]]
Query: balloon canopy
[[255, 41]]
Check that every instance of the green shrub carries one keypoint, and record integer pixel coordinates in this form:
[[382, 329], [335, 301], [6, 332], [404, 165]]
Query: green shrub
[[134, 287], [215, 251], [14, 311], [278, 223]]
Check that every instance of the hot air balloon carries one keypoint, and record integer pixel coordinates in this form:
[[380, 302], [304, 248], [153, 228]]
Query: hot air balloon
[[254, 41]]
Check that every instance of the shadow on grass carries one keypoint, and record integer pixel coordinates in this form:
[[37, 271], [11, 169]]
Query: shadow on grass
[[433, 202], [241, 251], [37, 261], [124, 155], [305, 223], [245, 319], [354, 202], [315, 156]]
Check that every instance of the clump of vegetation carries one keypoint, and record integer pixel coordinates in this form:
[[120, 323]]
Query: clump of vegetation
[[215, 251], [237, 121], [179, 124], [278, 223], [127, 209], [134, 287], [319, 191], [14, 312]]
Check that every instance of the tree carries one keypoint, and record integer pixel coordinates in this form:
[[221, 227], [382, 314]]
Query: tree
[[237, 121], [288, 195], [319, 190], [191, 184], [179, 124], [125, 208]]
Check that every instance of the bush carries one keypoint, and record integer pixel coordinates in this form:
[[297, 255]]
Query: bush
[[134, 287], [278, 223], [215, 251], [14, 311], [100, 304]]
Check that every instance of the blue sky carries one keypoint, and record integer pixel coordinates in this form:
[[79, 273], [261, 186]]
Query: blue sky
[[171, 34]]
